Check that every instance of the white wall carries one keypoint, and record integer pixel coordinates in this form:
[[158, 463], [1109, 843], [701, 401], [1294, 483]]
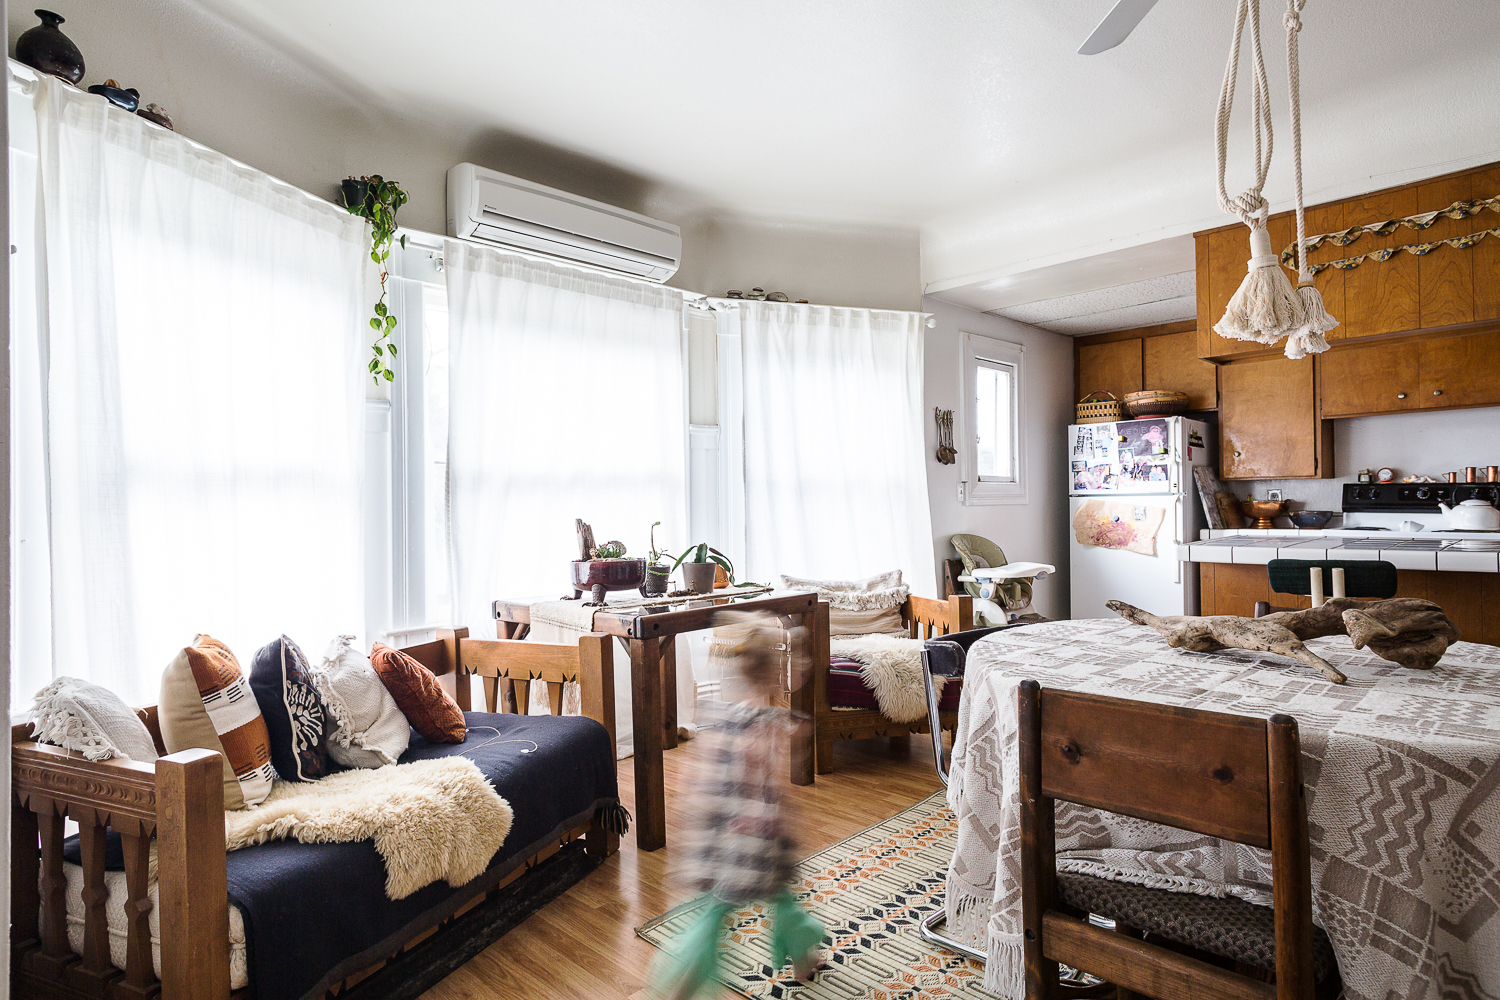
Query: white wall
[[1037, 529], [1428, 444], [226, 87], [874, 267]]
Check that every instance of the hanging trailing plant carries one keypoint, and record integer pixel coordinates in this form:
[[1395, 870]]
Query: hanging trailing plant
[[377, 199]]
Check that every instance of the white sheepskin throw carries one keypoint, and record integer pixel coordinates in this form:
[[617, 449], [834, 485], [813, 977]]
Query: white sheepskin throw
[[892, 668], [430, 819]]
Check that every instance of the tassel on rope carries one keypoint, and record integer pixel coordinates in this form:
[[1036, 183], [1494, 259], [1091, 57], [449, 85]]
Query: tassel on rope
[[1266, 307], [1307, 338]]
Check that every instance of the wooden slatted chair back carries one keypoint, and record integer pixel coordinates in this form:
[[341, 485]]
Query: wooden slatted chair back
[[1222, 775], [508, 668]]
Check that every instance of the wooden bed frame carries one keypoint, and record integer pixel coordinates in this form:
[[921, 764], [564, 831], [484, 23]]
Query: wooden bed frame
[[179, 801], [924, 619]]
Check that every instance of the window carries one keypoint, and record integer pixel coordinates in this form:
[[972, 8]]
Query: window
[[990, 425]]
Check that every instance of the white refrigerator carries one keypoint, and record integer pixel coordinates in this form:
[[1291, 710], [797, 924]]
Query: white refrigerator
[[1132, 500]]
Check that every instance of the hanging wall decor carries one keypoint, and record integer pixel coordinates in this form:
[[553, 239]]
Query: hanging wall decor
[[1266, 307], [1422, 221]]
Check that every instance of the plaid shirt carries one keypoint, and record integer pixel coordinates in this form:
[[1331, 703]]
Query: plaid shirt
[[739, 849]]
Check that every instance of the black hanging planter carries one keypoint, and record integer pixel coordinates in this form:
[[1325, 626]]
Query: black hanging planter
[[356, 193], [46, 48]]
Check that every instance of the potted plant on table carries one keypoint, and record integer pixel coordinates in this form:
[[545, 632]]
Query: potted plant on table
[[658, 572], [698, 571]]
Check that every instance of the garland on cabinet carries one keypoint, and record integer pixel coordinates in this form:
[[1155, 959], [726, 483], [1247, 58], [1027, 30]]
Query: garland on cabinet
[[1425, 220]]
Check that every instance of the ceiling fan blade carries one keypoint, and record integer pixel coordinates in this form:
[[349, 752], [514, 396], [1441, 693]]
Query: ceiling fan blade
[[1116, 26]]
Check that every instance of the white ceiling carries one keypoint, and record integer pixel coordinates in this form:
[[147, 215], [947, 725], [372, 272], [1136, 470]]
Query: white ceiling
[[970, 120]]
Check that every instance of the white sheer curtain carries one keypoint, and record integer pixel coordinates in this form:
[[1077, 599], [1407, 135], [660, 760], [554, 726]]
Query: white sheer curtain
[[831, 427], [566, 400], [202, 359]]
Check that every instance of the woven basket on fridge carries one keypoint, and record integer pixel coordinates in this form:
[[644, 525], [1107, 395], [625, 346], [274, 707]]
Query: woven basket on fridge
[[1098, 411]]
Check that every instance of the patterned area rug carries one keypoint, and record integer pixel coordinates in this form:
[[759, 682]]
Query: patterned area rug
[[871, 892]]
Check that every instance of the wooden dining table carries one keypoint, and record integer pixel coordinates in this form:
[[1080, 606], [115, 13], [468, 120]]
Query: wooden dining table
[[1401, 769], [650, 631]]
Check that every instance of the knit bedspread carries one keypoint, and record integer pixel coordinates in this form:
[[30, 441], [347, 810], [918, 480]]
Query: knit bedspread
[[1402, 770]]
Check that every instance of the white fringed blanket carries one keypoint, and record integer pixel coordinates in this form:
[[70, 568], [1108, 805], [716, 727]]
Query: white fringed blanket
[[1402, 770], [430, 819], [892, 668]]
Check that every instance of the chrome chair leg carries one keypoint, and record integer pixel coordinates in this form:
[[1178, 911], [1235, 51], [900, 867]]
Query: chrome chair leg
[[928, 934]]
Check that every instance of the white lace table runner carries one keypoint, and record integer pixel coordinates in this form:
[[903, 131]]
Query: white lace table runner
[[1402, 769]]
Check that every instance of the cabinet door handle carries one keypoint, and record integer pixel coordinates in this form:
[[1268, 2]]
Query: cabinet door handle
[[1236, 454], [1400, 395], [1437, 392]]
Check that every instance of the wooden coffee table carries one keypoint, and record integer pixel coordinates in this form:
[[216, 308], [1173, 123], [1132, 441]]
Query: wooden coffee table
[[651, 632]]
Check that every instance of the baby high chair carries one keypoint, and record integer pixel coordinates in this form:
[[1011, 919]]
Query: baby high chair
[[1001, 589]]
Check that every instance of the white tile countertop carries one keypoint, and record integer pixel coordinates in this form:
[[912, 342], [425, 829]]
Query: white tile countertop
[[1458, 553]]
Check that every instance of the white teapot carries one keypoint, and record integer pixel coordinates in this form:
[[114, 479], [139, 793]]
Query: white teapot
[[1471, 515]]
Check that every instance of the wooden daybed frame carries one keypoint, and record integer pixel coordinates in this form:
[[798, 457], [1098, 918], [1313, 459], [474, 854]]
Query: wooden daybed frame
[[924, 619], [179, 801]]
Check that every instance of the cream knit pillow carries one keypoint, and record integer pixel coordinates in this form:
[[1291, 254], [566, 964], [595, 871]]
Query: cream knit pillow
[[369, 729]]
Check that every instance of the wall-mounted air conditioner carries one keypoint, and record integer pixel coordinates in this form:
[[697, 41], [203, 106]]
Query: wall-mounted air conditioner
[[487, 206]]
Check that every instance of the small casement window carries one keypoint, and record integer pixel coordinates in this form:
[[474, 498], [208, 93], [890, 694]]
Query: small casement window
[[993, 460], [994, 421]]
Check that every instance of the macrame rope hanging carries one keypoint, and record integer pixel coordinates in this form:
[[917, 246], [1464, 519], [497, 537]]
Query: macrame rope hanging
[[1266, 307]]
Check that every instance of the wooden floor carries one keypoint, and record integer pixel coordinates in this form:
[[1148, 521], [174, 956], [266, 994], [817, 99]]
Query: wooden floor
[[584, 944]]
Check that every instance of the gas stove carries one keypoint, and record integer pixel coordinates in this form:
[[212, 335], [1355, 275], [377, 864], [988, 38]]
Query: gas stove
[[1390, 506]]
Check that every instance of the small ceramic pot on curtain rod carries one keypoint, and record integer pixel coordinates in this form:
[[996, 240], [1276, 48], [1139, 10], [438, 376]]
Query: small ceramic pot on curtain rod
[[44, 47]]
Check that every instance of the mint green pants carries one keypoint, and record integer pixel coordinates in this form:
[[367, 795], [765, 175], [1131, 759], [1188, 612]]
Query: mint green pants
[[794, 933]]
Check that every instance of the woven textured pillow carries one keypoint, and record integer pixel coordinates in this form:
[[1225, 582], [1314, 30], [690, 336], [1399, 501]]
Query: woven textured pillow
[[76, 715], [419, 696], [859, 607], [283, 684], [206, 702], [368, 727]]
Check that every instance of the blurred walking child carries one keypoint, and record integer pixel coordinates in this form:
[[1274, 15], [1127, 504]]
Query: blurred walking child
[[740, 847]]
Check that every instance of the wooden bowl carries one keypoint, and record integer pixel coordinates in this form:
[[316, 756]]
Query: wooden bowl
[[1263, 511], [1156, 403]]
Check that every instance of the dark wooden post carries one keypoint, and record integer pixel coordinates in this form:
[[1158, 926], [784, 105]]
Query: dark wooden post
[[1038, 844], [646, 708], [1289, 861]]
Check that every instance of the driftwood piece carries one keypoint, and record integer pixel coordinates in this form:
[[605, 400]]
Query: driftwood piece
[[1215, 632], [585, 538], [1404, 630]]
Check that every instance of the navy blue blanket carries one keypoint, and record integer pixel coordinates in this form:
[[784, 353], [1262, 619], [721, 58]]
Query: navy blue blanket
[[317, 913]]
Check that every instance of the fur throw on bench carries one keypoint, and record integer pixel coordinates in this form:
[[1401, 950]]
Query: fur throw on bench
[[430, 819], [892, 668]]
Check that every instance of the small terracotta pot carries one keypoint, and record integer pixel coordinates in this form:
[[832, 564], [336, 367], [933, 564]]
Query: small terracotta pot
[[699, 577]]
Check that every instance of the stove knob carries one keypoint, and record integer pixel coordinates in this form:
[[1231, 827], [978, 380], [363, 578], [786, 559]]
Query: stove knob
[[1374, 492], [1423, 493]]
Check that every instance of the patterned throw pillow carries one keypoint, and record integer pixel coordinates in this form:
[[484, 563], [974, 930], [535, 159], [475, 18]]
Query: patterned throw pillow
[[419, 696], [859, 607], [288, 697], [206, 702], [368, 728]]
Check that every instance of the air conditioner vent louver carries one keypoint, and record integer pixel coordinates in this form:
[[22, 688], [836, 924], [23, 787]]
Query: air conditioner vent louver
[[494, 208]]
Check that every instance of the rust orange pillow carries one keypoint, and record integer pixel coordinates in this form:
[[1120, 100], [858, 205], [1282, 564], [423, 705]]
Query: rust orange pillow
[[421, 699]]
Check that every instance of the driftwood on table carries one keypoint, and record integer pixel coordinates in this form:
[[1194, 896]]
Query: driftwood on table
[[1405, 630], [1215, 632]]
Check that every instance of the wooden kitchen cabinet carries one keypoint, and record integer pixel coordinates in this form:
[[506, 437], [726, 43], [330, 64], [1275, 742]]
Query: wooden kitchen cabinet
[[1110, 367], [1438, 291], [1172, 363], [1394, 377], [1269, 424], [1375, 378], [1459, 371]]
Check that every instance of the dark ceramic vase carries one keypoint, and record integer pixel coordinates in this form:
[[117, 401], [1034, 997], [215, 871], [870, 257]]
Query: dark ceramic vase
[[46, 48]]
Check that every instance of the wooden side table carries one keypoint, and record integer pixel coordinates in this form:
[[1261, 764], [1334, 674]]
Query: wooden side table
[[651, 632]]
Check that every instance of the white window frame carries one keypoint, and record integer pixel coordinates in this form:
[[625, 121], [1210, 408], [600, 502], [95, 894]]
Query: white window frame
[[977, 492]]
